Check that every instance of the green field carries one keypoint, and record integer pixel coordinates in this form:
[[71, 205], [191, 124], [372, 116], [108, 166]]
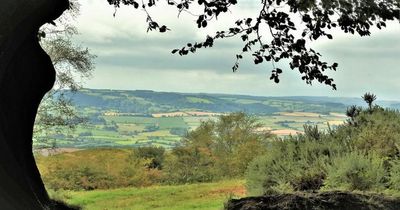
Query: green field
[[198, 100], [124, 118], [207, 196], [135, 131]]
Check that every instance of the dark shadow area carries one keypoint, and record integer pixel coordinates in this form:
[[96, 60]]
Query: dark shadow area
[[313, 201], [26, 74], [59, 205]]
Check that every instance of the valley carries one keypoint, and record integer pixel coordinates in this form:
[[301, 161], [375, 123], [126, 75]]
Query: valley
[[122, 118]]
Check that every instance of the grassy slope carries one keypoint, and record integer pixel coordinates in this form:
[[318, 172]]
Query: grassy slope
[[205, 196]]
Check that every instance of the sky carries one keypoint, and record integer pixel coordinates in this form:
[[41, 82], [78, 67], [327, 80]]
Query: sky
[[129, 58]]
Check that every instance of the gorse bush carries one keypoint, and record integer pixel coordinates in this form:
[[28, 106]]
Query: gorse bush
[[296, 163], [378, 131], [356, 171], [362, 154], [394, 175]]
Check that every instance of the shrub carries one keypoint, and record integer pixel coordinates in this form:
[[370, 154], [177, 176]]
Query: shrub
[[260, 178], [394, 175], [295, 164], [375, 129], [155, 155], [188, 165], [308, 180], [266, 176], [78, 178], [356, 171], [353, 156], [97, 169]]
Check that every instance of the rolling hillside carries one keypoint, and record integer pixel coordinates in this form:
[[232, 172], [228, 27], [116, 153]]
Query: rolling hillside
[[147, 102], [124, 118]]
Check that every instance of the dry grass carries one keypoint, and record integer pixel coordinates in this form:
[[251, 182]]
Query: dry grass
[[336, 122], [338, 114], [300, 114], [170, 114], [286, 132], [204, 113]]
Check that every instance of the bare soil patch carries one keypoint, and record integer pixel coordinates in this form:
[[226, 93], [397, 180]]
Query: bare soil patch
[[204, 113], [336, 122], [170, 114], [286, 132], [300, 114], [338, 114], [55, 151], [239, 191]]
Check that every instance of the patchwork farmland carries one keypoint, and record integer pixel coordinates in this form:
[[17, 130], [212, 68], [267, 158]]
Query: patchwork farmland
[[119, 118]]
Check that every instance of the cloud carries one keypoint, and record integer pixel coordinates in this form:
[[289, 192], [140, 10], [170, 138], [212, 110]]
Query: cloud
[[200, 80], [131, 58]]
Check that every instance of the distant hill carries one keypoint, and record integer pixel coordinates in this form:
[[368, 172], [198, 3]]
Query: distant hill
[[148, 102], [132, 118]]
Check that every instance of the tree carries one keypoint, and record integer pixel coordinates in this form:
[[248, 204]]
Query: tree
[[188, 165], [352, 112], [239, 138], [218, 149], [369, 98], [27, 73], [73, 64]]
